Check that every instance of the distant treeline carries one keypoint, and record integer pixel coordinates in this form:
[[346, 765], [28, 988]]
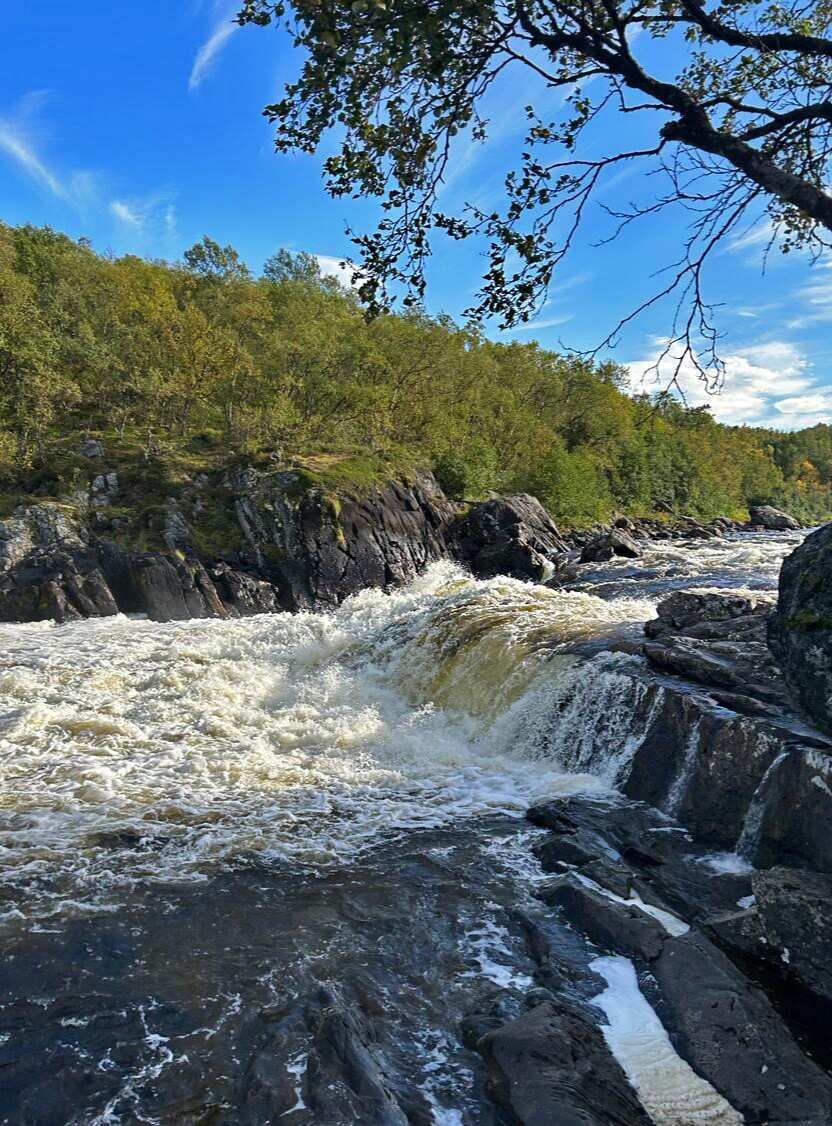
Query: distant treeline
[[204, 357]]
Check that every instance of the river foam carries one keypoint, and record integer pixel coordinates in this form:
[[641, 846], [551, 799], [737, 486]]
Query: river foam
[[133, 750]]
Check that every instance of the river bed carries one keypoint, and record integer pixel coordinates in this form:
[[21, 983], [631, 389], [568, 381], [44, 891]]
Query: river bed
[[217, 834]]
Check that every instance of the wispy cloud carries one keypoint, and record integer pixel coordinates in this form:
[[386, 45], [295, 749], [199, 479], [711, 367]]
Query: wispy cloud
[[153, 216], [126, 213], [207, 54], [17, 142], [546, 322], [814, 299]]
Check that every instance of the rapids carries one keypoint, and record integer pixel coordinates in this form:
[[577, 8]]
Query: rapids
[[221, 817]]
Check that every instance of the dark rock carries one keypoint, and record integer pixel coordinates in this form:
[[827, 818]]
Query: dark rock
[[552, 1066], [640, 849], [698, 762], [91, 447], [345, 1081], [800, 632], [243, 594], [795, 917], [611, 925], [605, 547], [788, 927], [686, 612], [511, 535], [746, 667], [304, 549], [729, 1032], [790, 819], [764, 516]]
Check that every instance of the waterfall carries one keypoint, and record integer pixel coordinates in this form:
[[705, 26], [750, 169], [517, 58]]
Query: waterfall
[[749, 838]]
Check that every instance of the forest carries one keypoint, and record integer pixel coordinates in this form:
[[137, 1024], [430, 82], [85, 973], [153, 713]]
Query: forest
[[198, 364]]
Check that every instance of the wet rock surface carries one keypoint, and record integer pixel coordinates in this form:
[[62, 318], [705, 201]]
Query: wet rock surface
[[552, 1065], [607, 546], [719, 1021], [800, 631]]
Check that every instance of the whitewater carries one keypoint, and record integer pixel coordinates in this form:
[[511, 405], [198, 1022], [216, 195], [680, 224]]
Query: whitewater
[[351, 781], [135, 750]]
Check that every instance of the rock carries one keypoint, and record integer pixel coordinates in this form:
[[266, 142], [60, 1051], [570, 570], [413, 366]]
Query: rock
[[345, 1081], [605, 547], [790, 819], [745, 668], [91, 447], [729, 1032], [511, 535], [800, 631], [289, 546], [695, 613], [611, 925], [552, 1066], [763, 515], [795, 919]]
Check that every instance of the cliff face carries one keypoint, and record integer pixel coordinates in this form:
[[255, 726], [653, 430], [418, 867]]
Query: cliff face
[[251, 542]]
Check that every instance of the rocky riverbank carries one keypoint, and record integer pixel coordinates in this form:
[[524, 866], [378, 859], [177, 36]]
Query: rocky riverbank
[[280, 863], [250, 541]]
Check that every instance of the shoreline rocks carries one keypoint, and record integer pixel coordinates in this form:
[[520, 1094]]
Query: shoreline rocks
[[800, 630]]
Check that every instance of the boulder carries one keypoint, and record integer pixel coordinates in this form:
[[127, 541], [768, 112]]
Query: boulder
[[800, 631], [787, 926], [709, 615], [775, 520], [729, 1032], [552, 1066], [512, 535], [612, 543]]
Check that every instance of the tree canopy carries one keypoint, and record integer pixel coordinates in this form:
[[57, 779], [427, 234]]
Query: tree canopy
[[735, 95], [181, 369]]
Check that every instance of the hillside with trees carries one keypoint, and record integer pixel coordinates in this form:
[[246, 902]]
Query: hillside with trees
[[183, 368]]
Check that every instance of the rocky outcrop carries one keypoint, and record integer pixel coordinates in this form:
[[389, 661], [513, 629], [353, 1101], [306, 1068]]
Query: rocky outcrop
[[551, 1065], [605, 547], [800, 632], [289, 545], [786, 925], [773, 519], [512, 535], [656, 911]]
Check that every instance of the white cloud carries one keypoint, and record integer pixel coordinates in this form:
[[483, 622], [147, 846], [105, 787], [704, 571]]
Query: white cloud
[[152, 217], [207, 54], [126, 213], [340, 268], [767, 384]]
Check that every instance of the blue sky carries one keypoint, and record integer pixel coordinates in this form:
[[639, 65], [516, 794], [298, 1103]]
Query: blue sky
[[139, 126]]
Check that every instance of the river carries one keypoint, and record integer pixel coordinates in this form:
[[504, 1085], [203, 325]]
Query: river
[[217, 834]]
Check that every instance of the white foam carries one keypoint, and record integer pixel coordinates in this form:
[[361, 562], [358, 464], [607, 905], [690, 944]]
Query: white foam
[[303, 737], [669, 1089]]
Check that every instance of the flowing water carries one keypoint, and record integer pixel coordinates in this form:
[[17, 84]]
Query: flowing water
[[212, 831]]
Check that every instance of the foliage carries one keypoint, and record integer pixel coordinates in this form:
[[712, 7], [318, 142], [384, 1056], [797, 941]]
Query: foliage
[[185, 369], [726, 100]]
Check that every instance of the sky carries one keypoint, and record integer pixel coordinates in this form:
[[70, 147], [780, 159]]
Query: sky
[[139, 126]]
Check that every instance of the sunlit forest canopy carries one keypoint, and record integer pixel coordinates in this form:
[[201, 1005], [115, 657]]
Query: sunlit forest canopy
[[196, 365]]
